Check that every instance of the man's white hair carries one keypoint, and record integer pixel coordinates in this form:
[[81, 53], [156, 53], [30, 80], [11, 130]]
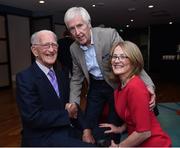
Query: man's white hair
[[35, 36], [77, 11]]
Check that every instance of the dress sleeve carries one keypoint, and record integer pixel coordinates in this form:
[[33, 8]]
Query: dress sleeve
[[138, 103]]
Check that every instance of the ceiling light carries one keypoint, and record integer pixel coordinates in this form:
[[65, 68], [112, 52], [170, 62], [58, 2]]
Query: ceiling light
[[131, 9], [127, 26], [120, 30], [93, 5], [170, 23], [150, 6], [132, 20], [41, 2]]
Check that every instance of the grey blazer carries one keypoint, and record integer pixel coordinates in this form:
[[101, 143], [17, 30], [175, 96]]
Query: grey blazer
[[103, 39]]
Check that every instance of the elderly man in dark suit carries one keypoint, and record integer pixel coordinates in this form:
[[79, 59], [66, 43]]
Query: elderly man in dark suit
[[91, 55], [42, 97]]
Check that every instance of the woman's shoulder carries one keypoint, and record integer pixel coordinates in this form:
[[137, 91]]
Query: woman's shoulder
[[136, 82]]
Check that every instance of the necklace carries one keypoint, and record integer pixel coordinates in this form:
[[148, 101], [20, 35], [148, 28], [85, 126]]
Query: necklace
[[124, 83]]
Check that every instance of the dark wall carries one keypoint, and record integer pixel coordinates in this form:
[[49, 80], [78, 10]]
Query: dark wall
[[15, 11], [160, 40], [140, 37], [163, 41]]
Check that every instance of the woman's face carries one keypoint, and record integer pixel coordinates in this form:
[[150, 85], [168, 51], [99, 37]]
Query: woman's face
[[120, 62]]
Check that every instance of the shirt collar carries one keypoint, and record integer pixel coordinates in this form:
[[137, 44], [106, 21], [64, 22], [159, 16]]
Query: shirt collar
[[43, 68], [92, 42]]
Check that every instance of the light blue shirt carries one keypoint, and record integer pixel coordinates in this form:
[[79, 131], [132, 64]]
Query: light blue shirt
[[91, 61]]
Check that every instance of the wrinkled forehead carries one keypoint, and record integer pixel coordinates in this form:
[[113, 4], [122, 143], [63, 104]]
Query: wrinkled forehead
[[46, 37]]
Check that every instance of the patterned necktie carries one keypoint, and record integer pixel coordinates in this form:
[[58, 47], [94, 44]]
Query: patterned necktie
[[53, 81]]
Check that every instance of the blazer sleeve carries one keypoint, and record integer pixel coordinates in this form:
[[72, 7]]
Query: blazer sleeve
[[76, 79], [115, 36], [33, 111], [147, 80]]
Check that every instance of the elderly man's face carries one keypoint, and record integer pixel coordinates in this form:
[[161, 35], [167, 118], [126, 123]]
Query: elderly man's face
[[80, 30], [46, 50]]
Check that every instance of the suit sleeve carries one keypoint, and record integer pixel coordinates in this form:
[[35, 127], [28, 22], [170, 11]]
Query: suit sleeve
[[115, 36], [30, 104], [147, 80], [76, 81]]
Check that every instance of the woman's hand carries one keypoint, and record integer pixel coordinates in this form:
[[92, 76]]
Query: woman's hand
[[112, 128]]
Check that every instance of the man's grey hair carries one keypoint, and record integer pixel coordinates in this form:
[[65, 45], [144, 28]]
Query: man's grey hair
[[35, 36], [77, 11]]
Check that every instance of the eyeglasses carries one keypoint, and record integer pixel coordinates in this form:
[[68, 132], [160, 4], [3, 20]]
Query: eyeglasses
[[120, 57], [47, 45]]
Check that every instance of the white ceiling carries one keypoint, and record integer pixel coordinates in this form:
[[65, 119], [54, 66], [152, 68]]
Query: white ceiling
[[110, 12]]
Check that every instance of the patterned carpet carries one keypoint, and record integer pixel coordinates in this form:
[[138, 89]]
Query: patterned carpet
[[170, 120]]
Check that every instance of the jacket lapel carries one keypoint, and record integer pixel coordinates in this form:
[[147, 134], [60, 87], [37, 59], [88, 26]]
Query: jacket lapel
[[63, 83], [98, 48], [44, 81], [82, 61]]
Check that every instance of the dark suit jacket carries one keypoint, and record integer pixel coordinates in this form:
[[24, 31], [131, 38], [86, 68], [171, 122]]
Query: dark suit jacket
[[44, 118]]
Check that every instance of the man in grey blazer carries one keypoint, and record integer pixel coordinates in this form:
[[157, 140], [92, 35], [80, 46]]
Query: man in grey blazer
[[91, 55]]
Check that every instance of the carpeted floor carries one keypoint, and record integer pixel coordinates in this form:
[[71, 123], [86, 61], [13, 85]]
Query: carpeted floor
[[170, 121]]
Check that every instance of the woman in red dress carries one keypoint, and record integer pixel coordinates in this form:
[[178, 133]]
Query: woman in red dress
[[132, 101]]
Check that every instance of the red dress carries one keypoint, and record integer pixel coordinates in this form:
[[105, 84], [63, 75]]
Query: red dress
[[132, 105]]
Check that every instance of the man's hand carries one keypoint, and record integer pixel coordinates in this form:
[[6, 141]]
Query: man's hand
[[87, 136], [152, 102], [72, 110]]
